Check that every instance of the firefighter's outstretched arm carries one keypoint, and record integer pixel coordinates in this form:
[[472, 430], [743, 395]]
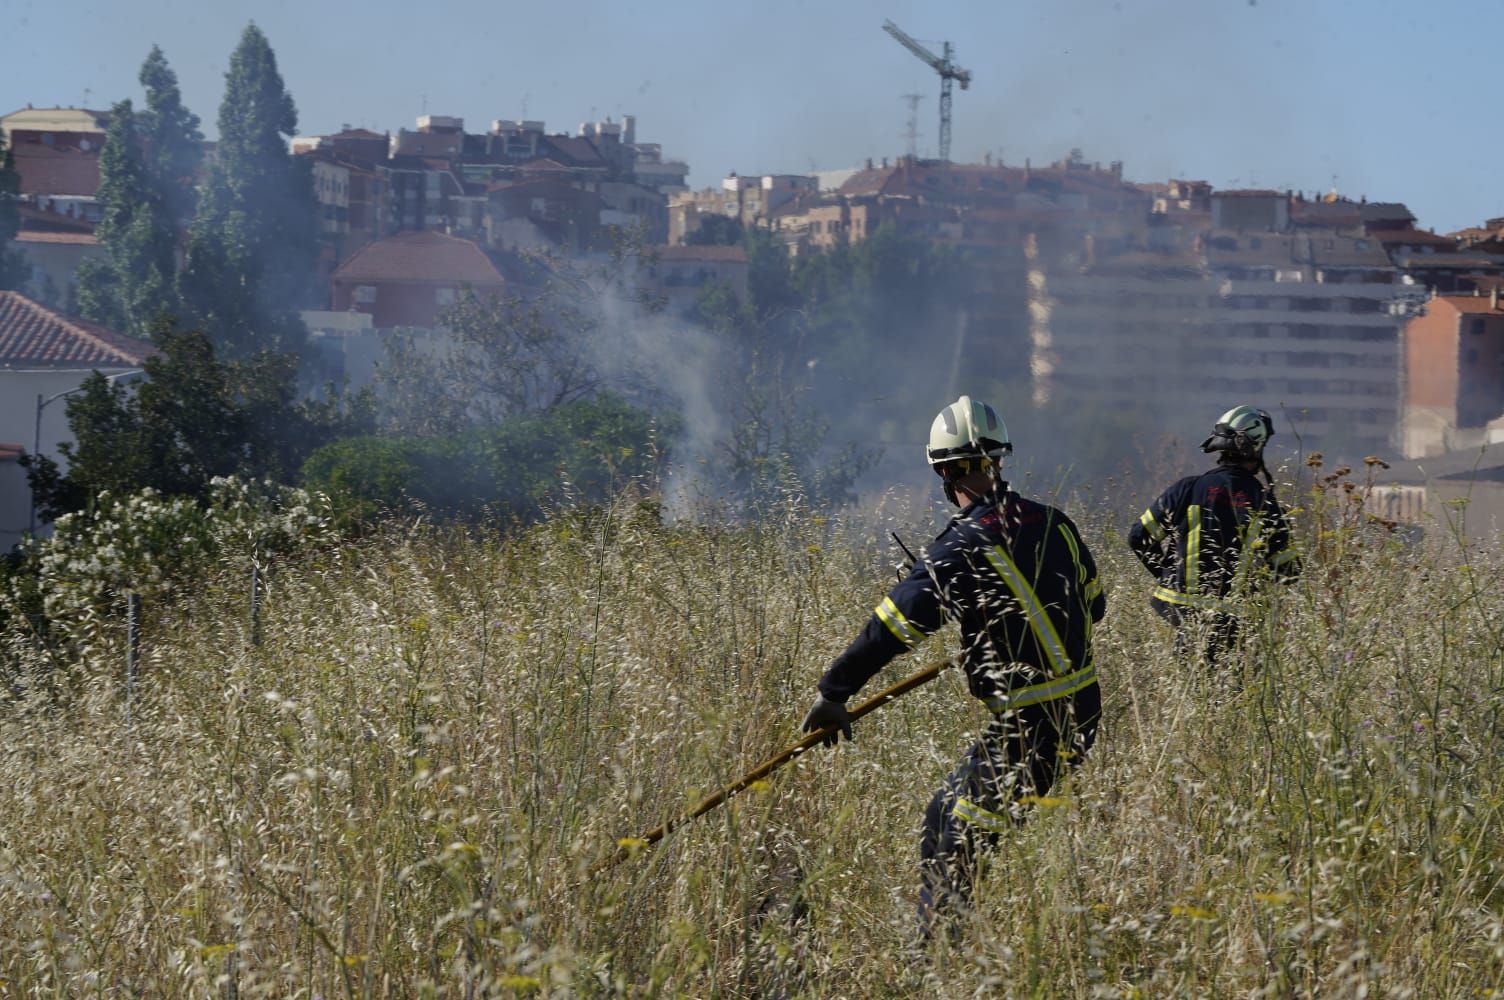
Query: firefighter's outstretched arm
[[910, 612]]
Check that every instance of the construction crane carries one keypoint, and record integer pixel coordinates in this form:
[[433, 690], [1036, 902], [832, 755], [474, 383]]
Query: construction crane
[[948, 71]]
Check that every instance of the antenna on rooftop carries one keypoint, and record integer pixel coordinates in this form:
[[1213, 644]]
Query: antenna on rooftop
[[945, 65], [911, 129]]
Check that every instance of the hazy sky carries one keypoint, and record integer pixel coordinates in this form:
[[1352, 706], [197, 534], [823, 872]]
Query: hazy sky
[[1389, 97]]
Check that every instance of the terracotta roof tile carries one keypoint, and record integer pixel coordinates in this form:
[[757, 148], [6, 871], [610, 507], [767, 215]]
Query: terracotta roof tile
[[1414, 237], [34, 336], [420, 257], [40, 236], [1470, 304], [10, 452]]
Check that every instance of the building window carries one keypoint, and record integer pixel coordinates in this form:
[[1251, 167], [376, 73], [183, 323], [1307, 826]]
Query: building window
[[1477, 324], [444, 296], [365, 294]]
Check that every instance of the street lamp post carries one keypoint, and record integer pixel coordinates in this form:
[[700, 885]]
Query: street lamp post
[[36, 443]]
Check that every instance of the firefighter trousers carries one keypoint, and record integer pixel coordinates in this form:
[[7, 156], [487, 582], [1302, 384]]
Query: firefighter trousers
[[1017, 758]]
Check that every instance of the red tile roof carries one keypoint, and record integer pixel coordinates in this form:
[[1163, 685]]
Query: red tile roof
[[10, 452], [1470, 304], [420, 258], [34, 336], [59, 171], [1413, 237], [41, 236]]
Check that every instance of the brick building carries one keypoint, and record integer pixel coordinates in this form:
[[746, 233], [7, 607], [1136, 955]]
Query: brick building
[[1454, 375], [407, 279]]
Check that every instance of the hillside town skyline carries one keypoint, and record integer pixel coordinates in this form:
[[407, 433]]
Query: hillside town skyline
[[1074, 278]]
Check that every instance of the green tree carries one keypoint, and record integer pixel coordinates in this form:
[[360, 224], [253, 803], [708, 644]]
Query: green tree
[[192, 417], [253, 247], [12, 267], [580, 450], [173, 141], [715, 230], [132, 285]]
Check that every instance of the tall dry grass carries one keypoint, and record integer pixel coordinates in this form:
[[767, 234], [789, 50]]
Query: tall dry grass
[[402, 790]]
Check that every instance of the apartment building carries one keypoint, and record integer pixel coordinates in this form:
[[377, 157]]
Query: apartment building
[[751, 199], [1303, 322], [1454, 375]]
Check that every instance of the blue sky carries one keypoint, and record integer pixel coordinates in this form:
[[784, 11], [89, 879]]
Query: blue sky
[[1384, 98]]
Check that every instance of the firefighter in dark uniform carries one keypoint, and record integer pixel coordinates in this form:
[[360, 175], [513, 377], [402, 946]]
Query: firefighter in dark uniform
[[1206, 538], [1023, 586]]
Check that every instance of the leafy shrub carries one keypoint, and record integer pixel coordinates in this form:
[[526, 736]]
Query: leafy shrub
[[152, 545], [582, 449]]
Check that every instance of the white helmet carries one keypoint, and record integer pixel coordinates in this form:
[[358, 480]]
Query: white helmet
[[1241, 433], [968, 428]]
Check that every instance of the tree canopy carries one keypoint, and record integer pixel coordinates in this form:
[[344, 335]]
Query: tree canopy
[[251, 253], [12, 271]]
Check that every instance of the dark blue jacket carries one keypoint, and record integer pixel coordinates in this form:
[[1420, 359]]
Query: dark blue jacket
[[1023, 586], [1205, 534]]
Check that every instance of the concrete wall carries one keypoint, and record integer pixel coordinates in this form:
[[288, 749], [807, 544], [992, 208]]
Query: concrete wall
[[15, 504], [18, 425]]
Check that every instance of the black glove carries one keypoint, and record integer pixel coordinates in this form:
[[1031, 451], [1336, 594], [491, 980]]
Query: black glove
[[824, 713]]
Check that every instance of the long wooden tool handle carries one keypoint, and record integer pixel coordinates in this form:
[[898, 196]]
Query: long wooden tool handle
[[767, 767]]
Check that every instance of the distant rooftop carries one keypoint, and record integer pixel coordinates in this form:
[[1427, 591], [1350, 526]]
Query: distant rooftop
[[35, 336], [423, 257]]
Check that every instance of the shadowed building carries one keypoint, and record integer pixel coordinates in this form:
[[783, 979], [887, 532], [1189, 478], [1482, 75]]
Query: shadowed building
[[406, 280]]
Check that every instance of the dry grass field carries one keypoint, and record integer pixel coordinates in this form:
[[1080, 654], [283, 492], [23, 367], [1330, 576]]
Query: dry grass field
[[402, 790]]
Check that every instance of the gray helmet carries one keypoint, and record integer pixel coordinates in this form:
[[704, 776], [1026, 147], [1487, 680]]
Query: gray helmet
[[1241, 433]]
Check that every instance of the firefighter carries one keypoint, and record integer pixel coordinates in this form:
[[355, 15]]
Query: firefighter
[[1204, 536], [1023, 586]]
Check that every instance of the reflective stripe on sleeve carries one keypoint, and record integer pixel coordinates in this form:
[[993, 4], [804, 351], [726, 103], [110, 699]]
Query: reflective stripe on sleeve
[[992, 822], [903, 630], [1093, 590], [1192, 548], [1070, 543], [1152, 526]]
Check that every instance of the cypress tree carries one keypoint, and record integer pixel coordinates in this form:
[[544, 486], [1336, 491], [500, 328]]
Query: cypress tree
[[146, 195], [11, 267], [172, 138], [252, 250], [132, 285]]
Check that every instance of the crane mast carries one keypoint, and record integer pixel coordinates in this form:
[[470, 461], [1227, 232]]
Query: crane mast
[[947, 69]]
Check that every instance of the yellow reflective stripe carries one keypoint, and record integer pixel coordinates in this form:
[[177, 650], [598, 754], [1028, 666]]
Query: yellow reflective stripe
[[1192, 548], [1152, 526], [993, 822], [1093, 590], [1049, 690], [903, 630], [1190, 600], [1060, 687], [1070, 542], [1283, 557], [1039, 622]]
